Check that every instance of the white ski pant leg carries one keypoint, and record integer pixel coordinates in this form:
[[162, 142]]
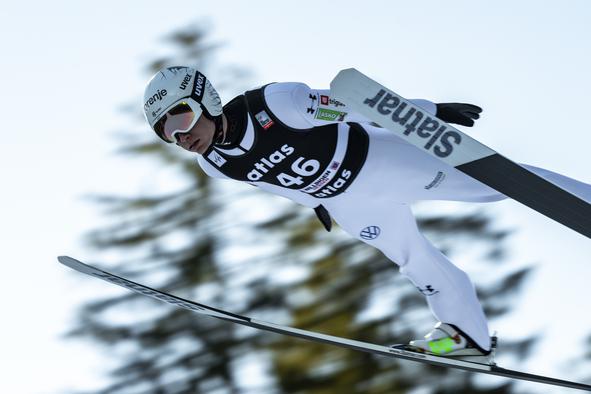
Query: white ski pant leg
[[457, 186], [397, 174], [448, 290]]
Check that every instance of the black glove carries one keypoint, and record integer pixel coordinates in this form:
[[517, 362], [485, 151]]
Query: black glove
[[458, 113]]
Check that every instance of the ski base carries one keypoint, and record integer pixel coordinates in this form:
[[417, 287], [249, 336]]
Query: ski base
[[315, 336]]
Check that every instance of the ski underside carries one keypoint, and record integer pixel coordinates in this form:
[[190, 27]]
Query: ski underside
[[314, 336], [448, 144]]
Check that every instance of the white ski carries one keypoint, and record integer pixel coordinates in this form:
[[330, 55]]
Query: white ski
[[450, 145], [313, 336]]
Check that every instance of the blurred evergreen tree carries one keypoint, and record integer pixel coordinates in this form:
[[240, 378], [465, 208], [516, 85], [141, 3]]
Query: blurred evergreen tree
[[263, 256]]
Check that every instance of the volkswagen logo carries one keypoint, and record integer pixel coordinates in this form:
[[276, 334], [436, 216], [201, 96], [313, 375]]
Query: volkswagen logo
[[370, 232]]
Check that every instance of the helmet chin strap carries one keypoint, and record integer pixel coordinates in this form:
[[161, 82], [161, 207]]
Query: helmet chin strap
[[218, 138], [218, 134]]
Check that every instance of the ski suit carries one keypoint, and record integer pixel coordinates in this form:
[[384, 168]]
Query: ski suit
[[366, 177]]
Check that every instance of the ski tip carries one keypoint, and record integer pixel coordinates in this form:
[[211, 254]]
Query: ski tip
[[66, 260], [75, 264]]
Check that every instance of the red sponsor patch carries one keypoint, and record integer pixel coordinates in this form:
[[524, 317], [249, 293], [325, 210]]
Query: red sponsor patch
[[264, 120], [324, 100]]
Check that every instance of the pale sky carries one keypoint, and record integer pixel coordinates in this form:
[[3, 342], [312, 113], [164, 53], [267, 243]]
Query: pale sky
[[68, 67]]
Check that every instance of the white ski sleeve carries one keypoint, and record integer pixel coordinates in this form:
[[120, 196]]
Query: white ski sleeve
[[300, 107]]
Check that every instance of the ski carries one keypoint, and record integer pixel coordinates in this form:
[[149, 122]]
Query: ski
[[432, 135], [314, 336]]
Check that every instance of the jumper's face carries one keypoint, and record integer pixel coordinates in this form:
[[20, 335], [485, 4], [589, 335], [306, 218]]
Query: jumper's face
[[199, 137], [186, 126]]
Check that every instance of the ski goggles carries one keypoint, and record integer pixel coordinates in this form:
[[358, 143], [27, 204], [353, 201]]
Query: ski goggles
[[177, 120]]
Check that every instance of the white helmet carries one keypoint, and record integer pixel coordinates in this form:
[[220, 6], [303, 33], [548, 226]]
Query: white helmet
[[172, 86]]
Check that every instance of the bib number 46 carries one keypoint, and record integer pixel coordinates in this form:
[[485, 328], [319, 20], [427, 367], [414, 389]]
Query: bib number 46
[[302, 169]]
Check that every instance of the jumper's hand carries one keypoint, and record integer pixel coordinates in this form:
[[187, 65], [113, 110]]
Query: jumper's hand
[[458, 113]]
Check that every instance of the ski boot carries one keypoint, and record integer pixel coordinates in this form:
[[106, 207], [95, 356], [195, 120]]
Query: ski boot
[[446, 340]]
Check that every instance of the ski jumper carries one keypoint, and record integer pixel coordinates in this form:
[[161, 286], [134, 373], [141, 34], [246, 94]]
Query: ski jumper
[[306, 146]]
